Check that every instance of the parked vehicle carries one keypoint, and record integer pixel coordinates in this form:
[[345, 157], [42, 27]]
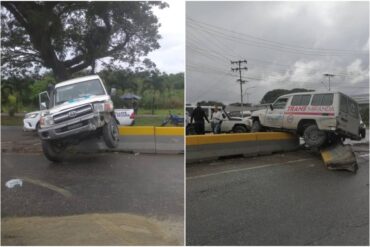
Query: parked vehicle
[[125, 117], [317, 117], [174, 120], [229, 124], [74, 110], [31, 121]]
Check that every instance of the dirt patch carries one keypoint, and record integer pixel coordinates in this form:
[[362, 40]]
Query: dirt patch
[[92, 229]]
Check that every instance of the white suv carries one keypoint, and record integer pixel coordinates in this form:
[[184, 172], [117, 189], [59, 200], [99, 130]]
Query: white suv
[[229, 124], [317, 117], [75, 110]]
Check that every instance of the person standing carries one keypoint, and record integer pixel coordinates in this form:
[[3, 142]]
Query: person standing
[[198, 115], [216, 121]]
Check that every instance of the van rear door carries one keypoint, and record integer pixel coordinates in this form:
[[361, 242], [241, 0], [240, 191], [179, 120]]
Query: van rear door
[[348, 117]]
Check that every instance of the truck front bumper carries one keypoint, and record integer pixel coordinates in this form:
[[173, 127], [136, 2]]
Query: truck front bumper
[[76, 126]]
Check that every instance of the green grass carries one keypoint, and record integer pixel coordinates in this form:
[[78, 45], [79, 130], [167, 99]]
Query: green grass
[[11, 121], [161, 112], [149, 121]]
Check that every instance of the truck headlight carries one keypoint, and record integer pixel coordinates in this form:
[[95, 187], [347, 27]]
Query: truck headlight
[[106, 106], [31, 115], [46, 121]]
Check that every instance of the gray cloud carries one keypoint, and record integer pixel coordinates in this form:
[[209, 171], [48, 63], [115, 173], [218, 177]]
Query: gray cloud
[[287, 45]]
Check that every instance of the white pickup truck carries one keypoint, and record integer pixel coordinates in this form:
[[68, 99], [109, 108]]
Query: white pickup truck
[[74, 110], [229, 124]]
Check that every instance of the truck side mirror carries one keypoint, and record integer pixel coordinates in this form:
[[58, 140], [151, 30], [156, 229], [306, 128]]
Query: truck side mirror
[[44, 100], [271, 107], [113, 91]]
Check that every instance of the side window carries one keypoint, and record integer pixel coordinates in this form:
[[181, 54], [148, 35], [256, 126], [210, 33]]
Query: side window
[[322, 99], [280, 103], [301, 100], [343, 103], [353, 108]]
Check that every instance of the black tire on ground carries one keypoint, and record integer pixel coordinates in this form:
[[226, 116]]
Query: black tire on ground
[[53, 151], [111, 134], [240, 129], [190, 130], [256, 126], [314, 137]]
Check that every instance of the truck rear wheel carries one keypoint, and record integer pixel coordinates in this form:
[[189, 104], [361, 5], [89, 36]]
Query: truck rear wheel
[[314, 137], [53, 151], [111, 134], [240, 129], [256, 126]]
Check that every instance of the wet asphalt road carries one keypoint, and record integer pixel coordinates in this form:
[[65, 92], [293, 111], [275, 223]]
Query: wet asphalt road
[[283, 199], [143, 184]]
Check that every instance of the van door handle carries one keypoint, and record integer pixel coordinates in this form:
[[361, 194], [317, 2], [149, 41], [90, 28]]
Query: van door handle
[[344, 120]]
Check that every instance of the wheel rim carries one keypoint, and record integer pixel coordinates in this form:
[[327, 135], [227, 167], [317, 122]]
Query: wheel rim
[[114, 131]]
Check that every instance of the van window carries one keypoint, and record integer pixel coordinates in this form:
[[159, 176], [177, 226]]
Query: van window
[[322, 99], [280, 103], [301, 99], [353, 108], [343, 103]]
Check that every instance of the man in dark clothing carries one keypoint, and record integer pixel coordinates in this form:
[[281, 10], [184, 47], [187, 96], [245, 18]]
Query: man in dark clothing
[[198, 115]]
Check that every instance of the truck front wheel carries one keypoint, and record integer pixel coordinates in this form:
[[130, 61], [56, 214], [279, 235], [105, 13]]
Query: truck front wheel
[[314, 137], [53, 151], [111, 134], [256, 126]]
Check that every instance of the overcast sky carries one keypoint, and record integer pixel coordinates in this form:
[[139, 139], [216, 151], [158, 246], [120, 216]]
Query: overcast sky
[[287, 45], [171, 56]]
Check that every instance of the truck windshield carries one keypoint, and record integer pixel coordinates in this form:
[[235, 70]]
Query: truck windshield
[[79, 90]]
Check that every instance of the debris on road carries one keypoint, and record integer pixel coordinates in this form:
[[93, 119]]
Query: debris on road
[[13, 183], [339, 157]]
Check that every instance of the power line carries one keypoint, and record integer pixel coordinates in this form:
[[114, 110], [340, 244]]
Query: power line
[[248, 37]]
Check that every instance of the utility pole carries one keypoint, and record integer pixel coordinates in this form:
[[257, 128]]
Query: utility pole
[[329, 75], [239, 68]]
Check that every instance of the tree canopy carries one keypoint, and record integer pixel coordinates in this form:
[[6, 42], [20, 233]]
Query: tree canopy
[[68, 37]]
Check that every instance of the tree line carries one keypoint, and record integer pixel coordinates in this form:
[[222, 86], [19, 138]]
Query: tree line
[[158, 90]]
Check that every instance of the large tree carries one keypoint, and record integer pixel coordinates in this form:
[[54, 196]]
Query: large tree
[[68, 37]]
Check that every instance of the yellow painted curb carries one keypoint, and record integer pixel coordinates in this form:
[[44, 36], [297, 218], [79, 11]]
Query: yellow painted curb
[[326, 156], [229, 138], [270, 136], [150, 131], [136, 130], [221, 138], [169, 131]]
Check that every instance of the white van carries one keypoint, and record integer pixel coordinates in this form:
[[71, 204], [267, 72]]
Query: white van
[[317, 117]]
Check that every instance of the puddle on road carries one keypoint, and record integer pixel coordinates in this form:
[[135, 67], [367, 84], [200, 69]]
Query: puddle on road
[[91, 229]]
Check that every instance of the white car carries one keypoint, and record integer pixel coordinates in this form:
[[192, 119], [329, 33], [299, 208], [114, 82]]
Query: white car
[[125, 117], [31, 121]]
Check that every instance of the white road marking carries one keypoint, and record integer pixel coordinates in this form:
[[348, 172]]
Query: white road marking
[[246, 169], [46, 185], [364, 155]]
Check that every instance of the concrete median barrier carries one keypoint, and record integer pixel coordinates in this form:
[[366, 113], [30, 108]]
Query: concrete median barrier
[[206, 147], [142, 139]]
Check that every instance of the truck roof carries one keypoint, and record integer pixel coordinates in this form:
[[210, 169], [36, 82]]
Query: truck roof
[[75, 80], [314, 92]]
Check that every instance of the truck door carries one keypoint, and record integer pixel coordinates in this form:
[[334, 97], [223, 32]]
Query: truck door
[[274, 117], [348, 117]]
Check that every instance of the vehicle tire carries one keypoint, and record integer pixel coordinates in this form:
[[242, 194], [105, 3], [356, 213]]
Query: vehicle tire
[[190, 130], [53, 151], [256, 126], [111, 134], [240, 129], [314, 137]]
